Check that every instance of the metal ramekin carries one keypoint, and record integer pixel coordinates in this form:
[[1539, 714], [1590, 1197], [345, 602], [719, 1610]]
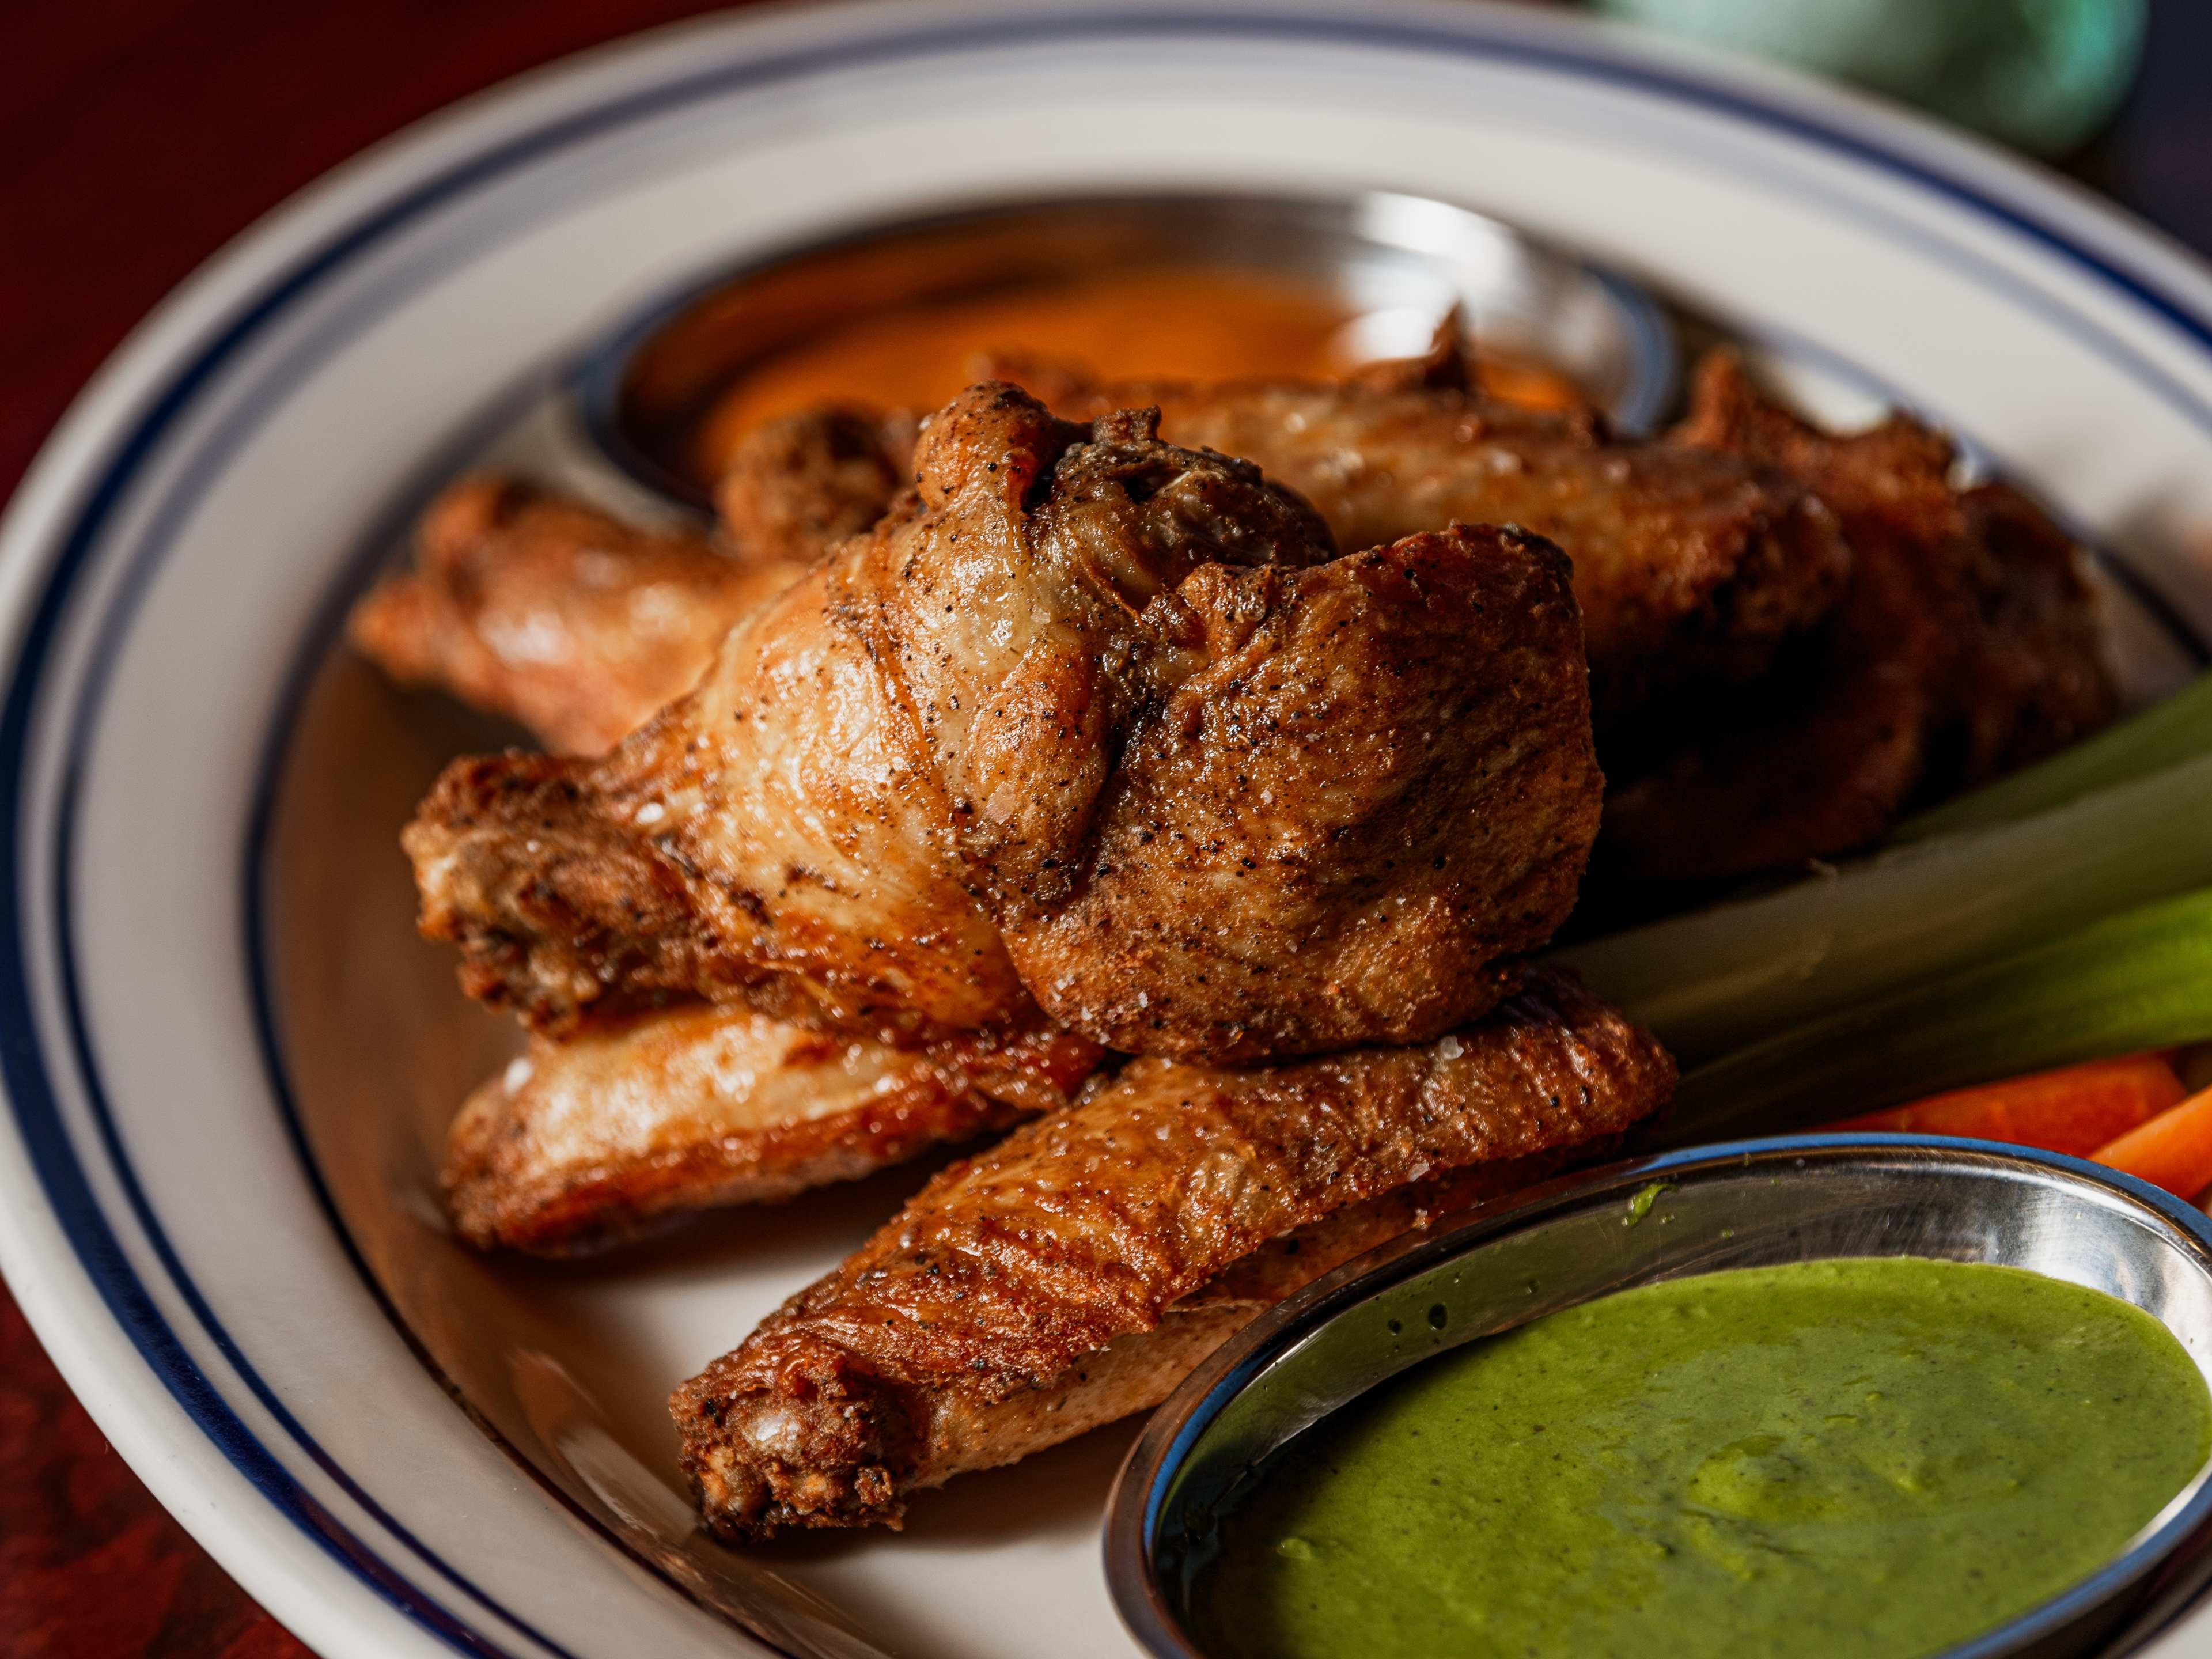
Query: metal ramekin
[[1740, 1204], [1390, 252]]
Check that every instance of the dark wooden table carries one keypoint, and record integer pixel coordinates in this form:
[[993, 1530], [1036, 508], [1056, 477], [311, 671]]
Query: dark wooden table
[[136, 136]]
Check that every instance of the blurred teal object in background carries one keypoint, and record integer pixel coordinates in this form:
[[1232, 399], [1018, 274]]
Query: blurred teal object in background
[[2041, 75]]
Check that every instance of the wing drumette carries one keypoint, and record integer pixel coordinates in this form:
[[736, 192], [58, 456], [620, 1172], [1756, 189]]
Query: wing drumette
[[544, 609], [535, 605]]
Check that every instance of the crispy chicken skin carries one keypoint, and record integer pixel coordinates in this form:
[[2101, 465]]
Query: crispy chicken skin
[[1965, 644], [1690, 565], [1078, 1270], [1376, 786], [544, 609], [2033, 679], [1090, 722], [798, 485], [582, 1143], [766, 840]]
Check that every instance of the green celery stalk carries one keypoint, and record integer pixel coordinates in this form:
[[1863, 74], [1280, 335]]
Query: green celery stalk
[[1716, 979], [2165, 734], [2131, 983]]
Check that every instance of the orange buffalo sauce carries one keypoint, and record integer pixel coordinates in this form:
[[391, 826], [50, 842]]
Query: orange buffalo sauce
[[1180, 324]]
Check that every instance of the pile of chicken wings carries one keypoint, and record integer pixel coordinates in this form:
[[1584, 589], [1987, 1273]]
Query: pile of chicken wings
[[1172, 780]]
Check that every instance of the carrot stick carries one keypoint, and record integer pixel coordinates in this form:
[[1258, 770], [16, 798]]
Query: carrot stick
[[2173, 1150], [2075, 1108]]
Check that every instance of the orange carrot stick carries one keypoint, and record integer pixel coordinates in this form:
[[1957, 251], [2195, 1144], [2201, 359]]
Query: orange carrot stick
[[2075, 1108], [2173, 1150]]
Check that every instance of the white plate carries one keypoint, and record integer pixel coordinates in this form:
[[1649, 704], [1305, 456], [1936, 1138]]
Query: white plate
[[218, 1035]]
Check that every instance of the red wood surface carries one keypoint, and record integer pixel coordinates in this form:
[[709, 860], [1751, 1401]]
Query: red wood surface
[[135, 137]]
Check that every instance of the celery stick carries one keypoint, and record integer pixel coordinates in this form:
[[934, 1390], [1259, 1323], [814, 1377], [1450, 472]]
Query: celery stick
[[2139, 980], [2165, 734], [1722, 977]]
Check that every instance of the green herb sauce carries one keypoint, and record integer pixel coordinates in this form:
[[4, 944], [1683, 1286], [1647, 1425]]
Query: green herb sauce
[[1859, 1459]]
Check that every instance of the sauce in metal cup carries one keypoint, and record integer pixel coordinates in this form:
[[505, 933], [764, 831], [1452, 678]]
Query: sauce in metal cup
[[1748, 1204]]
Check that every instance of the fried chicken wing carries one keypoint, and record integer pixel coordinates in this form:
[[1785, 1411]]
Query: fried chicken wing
[[798, 485], [538, 607], [2033, 679], [1091, 722], [1965, 644], [1689, 566], [766, 840], [584, 1142], [1078, 1270], [542, 608]]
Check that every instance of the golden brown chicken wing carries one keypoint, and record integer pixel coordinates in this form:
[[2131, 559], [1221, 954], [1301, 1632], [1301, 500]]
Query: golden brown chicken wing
[[1689, 566], [542, 608], [538, 607], [1092, 723], [800, 484], [583, 1142], [1078, 1270], [1966, 644], [768, 840], [2033, 679]]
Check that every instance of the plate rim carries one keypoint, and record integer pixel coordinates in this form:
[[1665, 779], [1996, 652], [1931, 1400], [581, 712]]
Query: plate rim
[[65, 1294]]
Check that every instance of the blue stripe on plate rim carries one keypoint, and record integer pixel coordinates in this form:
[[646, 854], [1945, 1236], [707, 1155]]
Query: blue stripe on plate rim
[[1882, 146]]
